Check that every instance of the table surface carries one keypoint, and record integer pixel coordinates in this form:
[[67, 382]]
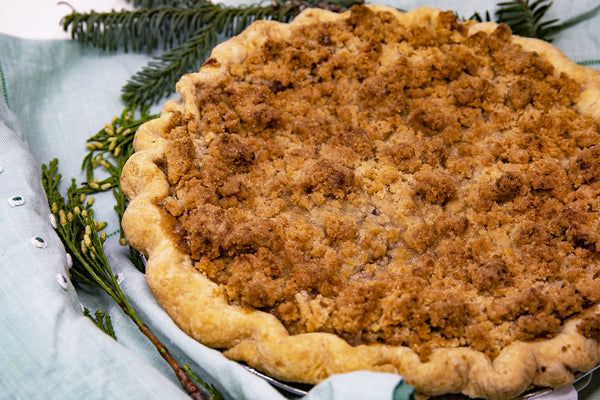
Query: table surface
[[40, 19]]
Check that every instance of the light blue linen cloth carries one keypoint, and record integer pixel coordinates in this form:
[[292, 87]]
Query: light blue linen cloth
[[56, 94]]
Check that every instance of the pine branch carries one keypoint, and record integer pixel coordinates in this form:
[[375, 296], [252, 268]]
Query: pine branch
[[168, 23], [80, 234], [143, 30], [157, 79], [525, 18], [477, 17], [110, 148], [187, 29], [158, 3]]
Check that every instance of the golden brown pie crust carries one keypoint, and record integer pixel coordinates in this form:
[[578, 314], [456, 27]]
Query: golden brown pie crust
[[470, 191]]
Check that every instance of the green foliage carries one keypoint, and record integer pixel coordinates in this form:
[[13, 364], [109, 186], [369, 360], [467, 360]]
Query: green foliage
[[142, 30], [157, 79], [526, 18], [186, 30], [82, 238], [108, 150], [102, 321], [477, 17], [3, 86], [210, 389], [81, 235]]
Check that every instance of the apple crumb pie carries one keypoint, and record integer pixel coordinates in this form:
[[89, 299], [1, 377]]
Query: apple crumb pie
[[379, 190]]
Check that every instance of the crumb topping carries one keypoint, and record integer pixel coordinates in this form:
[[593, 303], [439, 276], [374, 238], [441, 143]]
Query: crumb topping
[[412, 186]]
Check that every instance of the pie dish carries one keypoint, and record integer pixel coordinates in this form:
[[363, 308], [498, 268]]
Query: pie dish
[[379, 190]]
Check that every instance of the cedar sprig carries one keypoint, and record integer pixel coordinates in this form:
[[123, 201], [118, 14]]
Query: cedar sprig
[[210, 389], [83, 239], [165, 23], [108, 150], [102, 321]]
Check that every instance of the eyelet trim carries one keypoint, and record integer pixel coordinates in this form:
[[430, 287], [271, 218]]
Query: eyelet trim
[[16, 201], [52, 220], [62, 281], [39, 242]]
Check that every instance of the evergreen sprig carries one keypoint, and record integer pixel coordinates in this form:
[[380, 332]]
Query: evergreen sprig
[[186, 30], [526, 18], [157, 3], [108, 150], [102, 321], [143, 30], [156, 80], [81, 235]]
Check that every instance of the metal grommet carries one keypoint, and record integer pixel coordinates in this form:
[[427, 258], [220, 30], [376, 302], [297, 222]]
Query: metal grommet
[[62, 281], [39, 242], [69, 260], [120, 276], [16, 201]]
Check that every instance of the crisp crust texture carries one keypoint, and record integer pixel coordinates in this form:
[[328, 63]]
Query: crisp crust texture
[[395, 192]]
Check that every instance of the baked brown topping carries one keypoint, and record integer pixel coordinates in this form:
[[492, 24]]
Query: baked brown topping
[[411, 186]]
